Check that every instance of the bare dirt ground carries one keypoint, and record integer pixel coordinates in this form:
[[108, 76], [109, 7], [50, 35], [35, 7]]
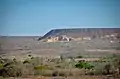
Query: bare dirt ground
[[79, 77], [21, 46]]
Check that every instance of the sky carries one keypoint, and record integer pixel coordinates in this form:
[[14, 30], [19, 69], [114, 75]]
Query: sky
[[37, 17]]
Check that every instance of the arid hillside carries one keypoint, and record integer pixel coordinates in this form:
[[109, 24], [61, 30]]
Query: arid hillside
[[20, 46], [81, 32]]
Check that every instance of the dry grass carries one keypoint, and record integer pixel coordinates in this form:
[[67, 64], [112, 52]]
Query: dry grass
[[78, 77]]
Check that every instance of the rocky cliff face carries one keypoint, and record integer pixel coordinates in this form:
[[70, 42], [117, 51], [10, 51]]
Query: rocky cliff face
[[81, 32]]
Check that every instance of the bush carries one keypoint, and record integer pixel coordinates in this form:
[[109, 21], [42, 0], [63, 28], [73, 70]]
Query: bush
[[26, 61], [107, 69], [10, 70], [84, 65], [79, 56]]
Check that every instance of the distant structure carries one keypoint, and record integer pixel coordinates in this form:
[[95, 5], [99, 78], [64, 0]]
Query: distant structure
[[78, 34], [58, 38]]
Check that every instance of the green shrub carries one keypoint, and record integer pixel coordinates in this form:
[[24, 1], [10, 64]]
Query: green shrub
[[1, 65], [84, 65]]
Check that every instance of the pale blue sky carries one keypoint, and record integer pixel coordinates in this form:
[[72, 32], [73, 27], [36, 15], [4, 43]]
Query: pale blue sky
[[36, 17]]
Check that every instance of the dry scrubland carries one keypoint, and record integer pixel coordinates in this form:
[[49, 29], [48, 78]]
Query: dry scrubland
[[22, 46], [27, 58]]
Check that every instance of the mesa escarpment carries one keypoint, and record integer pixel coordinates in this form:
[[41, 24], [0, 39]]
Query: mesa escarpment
[[80, 34]]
